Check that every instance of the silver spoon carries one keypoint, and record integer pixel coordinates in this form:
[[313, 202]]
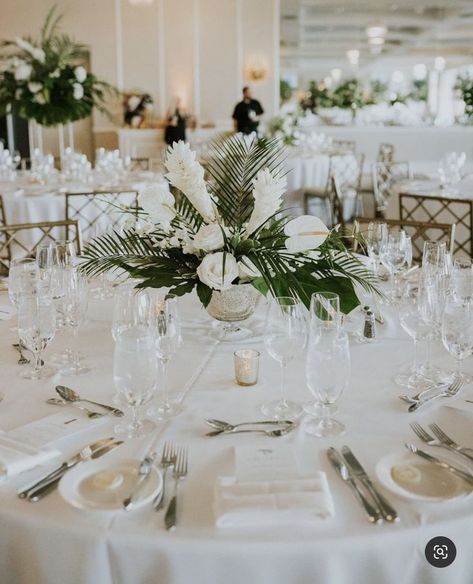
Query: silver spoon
[[60, 402], [221, 425], [272, 433], [70, 395]]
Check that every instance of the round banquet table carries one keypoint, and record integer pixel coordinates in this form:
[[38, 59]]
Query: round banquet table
[[51, 542]]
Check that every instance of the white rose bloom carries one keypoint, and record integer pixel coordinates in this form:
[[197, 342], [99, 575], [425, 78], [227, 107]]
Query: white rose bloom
[[23, 71], [209, 238], [305, 233], [78, 91], [55, 74], [39, 98], [158, 202], [80, 73], [186, 174], [35, 86], [211, 271], [247, 269]]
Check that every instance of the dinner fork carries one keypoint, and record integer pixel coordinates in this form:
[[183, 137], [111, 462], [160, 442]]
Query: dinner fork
[[445, 439], [168, 458], [180, 472], [431, 441], [451, 391]]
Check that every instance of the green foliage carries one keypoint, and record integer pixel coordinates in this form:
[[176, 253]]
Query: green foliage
[[464, 86], [419, 90], [285, 90], [51, 93]]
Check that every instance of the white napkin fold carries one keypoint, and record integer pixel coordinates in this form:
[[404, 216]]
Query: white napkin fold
[[297, 501], [17, 457]]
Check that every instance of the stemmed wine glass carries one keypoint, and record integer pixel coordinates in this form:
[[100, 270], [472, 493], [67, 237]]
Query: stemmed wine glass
[[36, 328], [22, 276], [167, 333], [462, 280], [376, 238], [46, 259], [74, 305], [394, 254], [131, 308], [135, 371], [285, 337], [327, 375], [457, 334]]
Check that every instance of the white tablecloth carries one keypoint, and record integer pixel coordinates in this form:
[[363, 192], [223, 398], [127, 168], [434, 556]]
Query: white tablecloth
[[50, 542]]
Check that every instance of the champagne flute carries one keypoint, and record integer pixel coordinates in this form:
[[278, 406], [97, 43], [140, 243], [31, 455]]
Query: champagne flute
[[457, 334], [167, 333], [393, 256], [327, 375], [135, 372], [376, 238], [285, 337], [36, 328], [462, 280]]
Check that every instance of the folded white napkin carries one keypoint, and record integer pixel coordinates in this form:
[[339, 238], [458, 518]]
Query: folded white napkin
[[16, 457], [298, 501]]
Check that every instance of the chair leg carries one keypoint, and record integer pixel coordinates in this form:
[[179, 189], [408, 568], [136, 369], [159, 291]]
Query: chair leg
[[306, 203]]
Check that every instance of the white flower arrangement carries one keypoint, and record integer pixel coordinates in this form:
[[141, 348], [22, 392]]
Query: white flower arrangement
[[228, 230]]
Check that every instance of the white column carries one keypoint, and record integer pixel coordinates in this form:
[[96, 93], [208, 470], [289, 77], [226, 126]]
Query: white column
[[10, 133], [161, 60], [119, 44], [276, 56], [196, 56]]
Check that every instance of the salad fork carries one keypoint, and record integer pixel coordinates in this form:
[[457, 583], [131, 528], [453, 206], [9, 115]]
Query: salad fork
[[168, 458], [180, 472], [445, 439], [431, 441]]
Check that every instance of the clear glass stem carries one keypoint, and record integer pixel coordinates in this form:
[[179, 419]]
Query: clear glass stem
[[164, 371], [135, 418], [75, 352], [325, 418], [459, 373], [416, 356], [283, 383], [37, 364]]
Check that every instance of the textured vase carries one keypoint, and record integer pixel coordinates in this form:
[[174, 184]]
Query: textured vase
[[234, 304]]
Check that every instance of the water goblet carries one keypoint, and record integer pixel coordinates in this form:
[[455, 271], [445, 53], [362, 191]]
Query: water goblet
[[457, 334], [376, 238]]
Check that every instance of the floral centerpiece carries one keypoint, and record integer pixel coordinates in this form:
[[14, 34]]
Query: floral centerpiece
[[42, 80], [220, 234]]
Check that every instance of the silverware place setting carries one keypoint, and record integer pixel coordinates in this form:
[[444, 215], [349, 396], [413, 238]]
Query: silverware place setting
[[53, 401], [431, 394], [71, 396], [466, 476], [272, 428], [179, 474], [168, 460]]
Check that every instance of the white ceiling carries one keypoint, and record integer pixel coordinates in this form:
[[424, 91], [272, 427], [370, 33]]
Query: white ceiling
[[315, 34]]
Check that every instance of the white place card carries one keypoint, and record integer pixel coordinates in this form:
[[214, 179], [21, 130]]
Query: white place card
[[265, 463]]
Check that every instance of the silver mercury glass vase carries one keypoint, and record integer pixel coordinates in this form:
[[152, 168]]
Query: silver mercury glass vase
[[232, 306]]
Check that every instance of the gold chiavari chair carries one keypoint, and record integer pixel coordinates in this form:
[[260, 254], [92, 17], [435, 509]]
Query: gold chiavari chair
[[442, 210], [22, 239], [95, 208], [386, 153], [344, 146], [3, 222], [419, 231], [385, 176], [141, 163]]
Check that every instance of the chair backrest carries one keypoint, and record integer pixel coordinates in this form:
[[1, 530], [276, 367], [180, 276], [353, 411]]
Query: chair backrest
[[348, 169], [336, 199], [344, 145], [3, 218], [142, 163], [442, 210], [385, 176], [419, 232], [386, 153], [22, 239], [99, 210]]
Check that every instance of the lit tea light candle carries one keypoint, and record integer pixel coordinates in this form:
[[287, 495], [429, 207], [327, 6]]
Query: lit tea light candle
[[246, 366]]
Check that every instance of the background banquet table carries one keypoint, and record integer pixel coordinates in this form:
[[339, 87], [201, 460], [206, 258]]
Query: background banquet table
[[51, 542]]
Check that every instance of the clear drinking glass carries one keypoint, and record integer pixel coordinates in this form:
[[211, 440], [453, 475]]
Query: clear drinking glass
[[66, 253], [167, 334], [393, 256], [135, 372], [36, 328], [131, 308], [457, 334], [462, 280], [327, 374], [376, 238], [436, 259], [22, 277], [46, 259], [75, 304], [285, 337]]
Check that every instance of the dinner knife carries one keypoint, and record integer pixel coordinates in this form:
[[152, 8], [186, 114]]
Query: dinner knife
[[83, 454], [442, 463], [373, 514], [387, 511], [41, 492]]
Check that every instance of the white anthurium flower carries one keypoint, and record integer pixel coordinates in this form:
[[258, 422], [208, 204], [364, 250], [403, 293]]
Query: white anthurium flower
[[304, 233], [35, 86], [209, 238], [247, 269], [186, 174], [80, 73], [212, 272], [158, 202], [23, 71], [78, 91]]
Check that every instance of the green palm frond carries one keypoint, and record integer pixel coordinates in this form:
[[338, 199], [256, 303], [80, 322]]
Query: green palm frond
[[234, 163]]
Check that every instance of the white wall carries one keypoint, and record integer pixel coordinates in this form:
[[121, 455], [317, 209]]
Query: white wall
[[198, 49]]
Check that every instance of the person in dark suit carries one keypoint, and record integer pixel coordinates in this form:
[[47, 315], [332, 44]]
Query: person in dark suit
[[176, 121], [247, 113]]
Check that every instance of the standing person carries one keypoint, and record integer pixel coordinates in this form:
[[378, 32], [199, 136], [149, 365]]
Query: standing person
[[247, 113], [176, 119]]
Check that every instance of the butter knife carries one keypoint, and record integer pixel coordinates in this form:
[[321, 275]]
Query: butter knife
[[442, 463], [41, 492], [373, 514], [387, 511]]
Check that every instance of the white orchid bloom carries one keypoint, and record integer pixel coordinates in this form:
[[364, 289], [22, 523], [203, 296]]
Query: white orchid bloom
[[158, 201], [218, 270], [304, 233]]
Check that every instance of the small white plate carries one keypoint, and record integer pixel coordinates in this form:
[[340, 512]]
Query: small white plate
[[79, 486], [434, 484]]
